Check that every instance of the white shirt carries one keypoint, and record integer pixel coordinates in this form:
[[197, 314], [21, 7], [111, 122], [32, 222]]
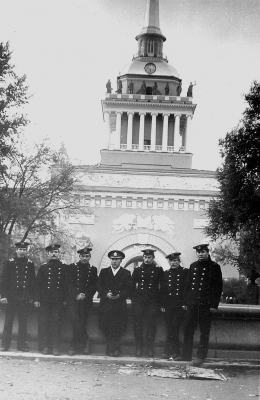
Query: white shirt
[[115, 271]]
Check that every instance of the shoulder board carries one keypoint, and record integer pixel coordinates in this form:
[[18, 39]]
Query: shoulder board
[[157, 266], [44, 264], [30, 261], [11, 259]]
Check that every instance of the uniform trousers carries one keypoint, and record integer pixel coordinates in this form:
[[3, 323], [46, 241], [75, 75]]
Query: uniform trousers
[[173, 320], [78, 312], [21, 308], [113, 323], [145, 318], [49, 325], [196, 315]]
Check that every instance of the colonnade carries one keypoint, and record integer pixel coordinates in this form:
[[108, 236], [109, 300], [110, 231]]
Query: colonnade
[[152, 147]]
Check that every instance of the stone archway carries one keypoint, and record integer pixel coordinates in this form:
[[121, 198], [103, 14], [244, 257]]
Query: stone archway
[[132, 244]]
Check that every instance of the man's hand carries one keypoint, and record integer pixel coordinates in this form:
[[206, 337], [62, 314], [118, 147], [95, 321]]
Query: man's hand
[[184, 308], [81, 296], [4, 300], [162, 309], [110, 296], [214, 310], [36, 304]]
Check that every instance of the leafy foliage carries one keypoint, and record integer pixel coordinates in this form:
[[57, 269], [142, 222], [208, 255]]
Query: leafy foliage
[[235, 213], [13, 95], [36, 193]]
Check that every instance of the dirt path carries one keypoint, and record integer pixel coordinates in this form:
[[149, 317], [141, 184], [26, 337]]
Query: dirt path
[[41, 380]]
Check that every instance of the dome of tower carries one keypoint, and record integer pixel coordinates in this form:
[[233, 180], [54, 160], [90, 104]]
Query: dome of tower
[[137, 67]]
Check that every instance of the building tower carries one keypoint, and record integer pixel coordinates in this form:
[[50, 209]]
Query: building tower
[[144, 192], [147, 116]]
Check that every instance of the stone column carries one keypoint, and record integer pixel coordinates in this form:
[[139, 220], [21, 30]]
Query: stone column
[[130, 130], [107, 130], [118, 128], [177, 138], [187, 133], [141, 131], [153, 131], [165, 131]]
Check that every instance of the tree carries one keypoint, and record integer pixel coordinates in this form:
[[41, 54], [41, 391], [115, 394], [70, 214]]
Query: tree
[[13, 96], [235, 213], [38, 188]]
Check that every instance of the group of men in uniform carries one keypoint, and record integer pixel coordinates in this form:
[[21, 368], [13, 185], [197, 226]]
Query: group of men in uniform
[[185, 296]]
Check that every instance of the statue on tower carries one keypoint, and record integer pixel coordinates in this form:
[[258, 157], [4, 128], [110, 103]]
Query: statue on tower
[[119, 86], [190, 89], [179, 89], [143, 88], [167, 89], [131, 87], [155, 87], [108, 86]]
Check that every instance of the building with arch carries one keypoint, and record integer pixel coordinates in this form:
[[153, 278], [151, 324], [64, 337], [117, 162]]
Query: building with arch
[[144, 192]]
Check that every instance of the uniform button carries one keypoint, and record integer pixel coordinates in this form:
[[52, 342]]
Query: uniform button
[[192, 288]]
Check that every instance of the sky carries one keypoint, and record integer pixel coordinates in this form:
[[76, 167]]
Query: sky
[[68, 49]]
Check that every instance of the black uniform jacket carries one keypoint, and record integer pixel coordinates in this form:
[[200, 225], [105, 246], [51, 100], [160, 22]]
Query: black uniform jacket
[[203, 285], [119, 284], [147, 281], [81, 278], [17, 280], [50, 282], [172, 287]]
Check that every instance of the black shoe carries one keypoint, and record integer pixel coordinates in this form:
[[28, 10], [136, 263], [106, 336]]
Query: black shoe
[[138, 350], [86, 349], [198, 362], [117, 353], [150, 352], [181, 358], [56, 352], [46, 350], [4, 348], [71, 351], [165, 356], [24, 348]]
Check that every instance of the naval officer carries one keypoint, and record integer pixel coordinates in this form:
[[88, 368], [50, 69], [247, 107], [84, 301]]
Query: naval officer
[[80, 289], [114, 287], [49, 297], [147, 280], [172, 293], [202, 294], [17, 281]]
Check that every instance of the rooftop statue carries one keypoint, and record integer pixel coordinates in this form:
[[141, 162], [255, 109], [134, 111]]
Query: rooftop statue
[[108, 86], [131, 87], [155, 87], [190, 89], [119, 86], [143, 88], [167, 89], [179, 89]]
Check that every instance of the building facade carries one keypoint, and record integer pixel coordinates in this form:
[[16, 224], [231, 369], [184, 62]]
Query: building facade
[[144, 192]]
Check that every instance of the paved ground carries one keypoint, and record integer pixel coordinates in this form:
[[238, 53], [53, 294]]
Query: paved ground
[[28, 376]]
